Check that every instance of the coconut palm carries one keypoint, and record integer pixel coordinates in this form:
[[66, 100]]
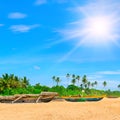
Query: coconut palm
[[95, 83], [104, 83], [92, 84], [68, 76], [78, 79], [88, 84], [25, 82], [6, 80], [119, 86], [5, 76], [57, 80], [73, 76], [73, 81], [53, 78], [84, 80]]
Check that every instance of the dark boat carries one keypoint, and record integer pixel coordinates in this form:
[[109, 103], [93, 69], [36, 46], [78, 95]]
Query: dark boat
[[82, 99], [75, 99], [94, 99]]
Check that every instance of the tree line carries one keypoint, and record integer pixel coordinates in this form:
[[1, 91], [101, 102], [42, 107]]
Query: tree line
[[11, 84], [76, 79]]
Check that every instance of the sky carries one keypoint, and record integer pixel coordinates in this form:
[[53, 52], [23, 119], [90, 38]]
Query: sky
[[43, 38]]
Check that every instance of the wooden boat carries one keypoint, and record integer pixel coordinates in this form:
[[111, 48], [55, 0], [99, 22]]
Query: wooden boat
[[82, 99], [75, 99], [29, 98], [94, 99]]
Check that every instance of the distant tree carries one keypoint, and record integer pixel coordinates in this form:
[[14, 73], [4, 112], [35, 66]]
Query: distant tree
[[92, 84], [84, 80], [57, 80], [78, 79], [5, 76], [88, 84], [25, 82], [73, 81], [68, 76], [95, 83], [73, 76], [104, 83], [81, 86], [119, 86], [37, 86], [53, 78], [85, 85]]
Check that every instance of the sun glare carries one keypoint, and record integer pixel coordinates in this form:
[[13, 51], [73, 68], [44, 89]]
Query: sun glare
[[98, 29], [99, 26]]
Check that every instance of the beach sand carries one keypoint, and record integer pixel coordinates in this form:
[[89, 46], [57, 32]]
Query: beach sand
[[106, 109]]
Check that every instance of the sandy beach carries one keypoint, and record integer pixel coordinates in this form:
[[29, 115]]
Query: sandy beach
[[106, 109]]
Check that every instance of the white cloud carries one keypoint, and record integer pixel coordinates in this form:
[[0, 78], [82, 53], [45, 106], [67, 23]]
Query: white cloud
[[36, 67], [40, 2], [23, 28], [17, 15], [109, 72]]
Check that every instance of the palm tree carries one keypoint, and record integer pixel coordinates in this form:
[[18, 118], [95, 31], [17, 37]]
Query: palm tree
[[104, 83], [6, 80], [73, 81], [73, 76], [2, 85], [68, 76], [92, 84], [78, 78], [95, 83], [84, 80], [81, 86], [57, 80], [119, 86], [5, 76], [25, 82], [54, 78], [88, 84]]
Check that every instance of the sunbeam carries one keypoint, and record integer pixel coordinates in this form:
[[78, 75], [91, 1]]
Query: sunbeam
[[97, 28]]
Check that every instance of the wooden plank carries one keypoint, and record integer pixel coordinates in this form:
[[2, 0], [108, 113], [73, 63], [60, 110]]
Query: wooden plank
[[17, 99], [38, 99]]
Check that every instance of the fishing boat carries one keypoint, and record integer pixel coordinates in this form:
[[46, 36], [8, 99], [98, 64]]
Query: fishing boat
[[82, 99], [75, 99], [29, 98], [94, 99]]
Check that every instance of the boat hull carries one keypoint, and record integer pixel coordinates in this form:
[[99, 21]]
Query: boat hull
[[93, 99], [75, 99], [83, 99]]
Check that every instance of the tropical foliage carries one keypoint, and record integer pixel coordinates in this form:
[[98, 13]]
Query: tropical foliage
[[11, 84]]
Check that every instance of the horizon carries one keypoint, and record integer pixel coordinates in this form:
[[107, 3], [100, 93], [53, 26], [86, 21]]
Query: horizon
[[41, 38]]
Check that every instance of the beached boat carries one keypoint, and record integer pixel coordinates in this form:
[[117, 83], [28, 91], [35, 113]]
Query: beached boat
[[82, 99], [29, 98], [75, 99], [94, 99]]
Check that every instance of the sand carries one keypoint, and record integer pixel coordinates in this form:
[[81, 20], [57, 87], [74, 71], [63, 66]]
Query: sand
[[106, 109]]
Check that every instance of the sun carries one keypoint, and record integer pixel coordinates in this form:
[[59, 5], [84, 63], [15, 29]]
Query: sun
[[99, 26], [98, 29]]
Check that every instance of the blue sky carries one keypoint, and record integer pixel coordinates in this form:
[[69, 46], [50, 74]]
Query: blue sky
[[42, 38]]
